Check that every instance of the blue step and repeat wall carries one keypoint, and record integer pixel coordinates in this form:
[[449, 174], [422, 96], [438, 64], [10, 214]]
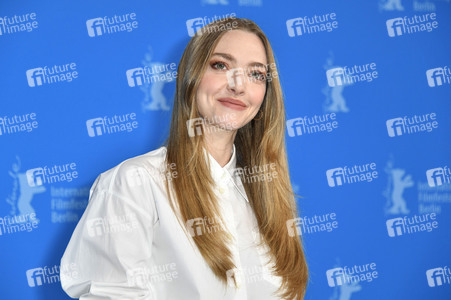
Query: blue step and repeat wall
[[367, 87]]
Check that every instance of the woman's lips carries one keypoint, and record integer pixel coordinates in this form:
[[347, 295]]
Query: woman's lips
[[233, 103]]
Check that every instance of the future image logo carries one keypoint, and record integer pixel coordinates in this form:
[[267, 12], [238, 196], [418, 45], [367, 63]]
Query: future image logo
[[409, 25], [438, 276], [110, 125], [235, 77], [347, 175], [314, 24], [438, 176], [349, 75], [145, 277], [310, 125], [18, 23], [109, 25], [199, 126], [45, 275], [438, 76], [95, 27], [35, 177], [205, 225], [308, 225], [196, 26], [357, 273], [49, 75], [56, 173], [153, 74], [410, 225], [112, 224], [410, 125], [18, 123]]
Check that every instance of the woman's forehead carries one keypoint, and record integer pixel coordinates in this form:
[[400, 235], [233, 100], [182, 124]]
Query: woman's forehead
[[242, 45]]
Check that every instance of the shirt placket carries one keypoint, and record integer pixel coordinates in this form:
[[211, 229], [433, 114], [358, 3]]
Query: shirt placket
[[223, 190], [261, 250]]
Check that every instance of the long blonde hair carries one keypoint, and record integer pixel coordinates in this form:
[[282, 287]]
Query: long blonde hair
[[258, 143]]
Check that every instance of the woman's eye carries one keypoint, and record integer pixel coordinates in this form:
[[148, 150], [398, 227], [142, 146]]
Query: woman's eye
[[258, 75], [219, 65]]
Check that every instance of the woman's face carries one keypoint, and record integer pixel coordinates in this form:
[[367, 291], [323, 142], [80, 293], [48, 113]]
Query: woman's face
[[233, 86]]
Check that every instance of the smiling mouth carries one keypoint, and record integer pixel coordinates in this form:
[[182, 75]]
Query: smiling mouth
[[233, 103]]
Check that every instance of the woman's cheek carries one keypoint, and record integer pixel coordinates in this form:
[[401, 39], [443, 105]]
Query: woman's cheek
[[210, 81], [258, 95]]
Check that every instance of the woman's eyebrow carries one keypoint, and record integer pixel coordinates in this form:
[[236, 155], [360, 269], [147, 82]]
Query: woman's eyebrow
[[232, 59]]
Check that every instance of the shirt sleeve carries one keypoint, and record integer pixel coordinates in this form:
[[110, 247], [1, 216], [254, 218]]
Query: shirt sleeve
[[110, 249]]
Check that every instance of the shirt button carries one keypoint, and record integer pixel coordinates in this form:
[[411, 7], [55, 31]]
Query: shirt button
[[221, 190], [223, 175]]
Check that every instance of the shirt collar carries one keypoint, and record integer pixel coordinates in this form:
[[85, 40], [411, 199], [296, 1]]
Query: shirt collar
[[216, 170], [227, 173]]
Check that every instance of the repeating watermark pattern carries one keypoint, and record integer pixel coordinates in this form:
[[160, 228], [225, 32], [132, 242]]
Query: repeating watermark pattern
[[144, 277], [438, 176], [135, 176], [43, 275], [50, 75], [347, 275], [53, 174], [199, 126], [410, 225], [169, 172], [68, 204], [19, 223], [111, 224], [266, 172], [110, 125], [18, 23], [348, 175], [197, 25], [151, 74], [205, 225], [346, 290], [410, 25], [238, 76], [309, 25], [18, 123], [69, 272], [309, 225], [349, 75], [438, 276], [411, 125], [438, 76], [249, 275], [310, 125], [110, 25]]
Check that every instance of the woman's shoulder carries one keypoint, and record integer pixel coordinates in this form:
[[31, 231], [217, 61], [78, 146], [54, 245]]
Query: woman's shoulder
[[133, 171]]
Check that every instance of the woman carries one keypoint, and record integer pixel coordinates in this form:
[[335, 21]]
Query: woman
[[206, 216]]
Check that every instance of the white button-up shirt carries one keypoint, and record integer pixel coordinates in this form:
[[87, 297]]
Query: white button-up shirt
[[129, 245]]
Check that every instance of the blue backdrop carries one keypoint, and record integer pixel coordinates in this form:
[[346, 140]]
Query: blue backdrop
[[368, 91]]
